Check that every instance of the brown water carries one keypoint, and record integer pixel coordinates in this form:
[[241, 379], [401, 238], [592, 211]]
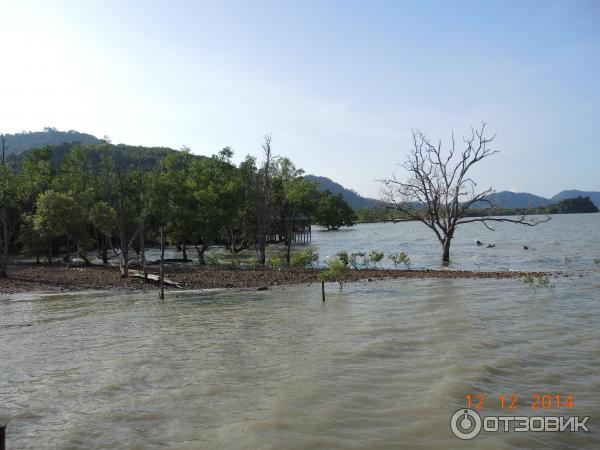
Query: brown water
[[379, 366]]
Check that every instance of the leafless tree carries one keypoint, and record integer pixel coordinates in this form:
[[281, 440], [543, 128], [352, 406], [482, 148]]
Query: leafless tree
[[439, 190], [263, 187]]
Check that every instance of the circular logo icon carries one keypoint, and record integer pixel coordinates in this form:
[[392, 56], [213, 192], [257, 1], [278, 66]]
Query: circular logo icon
[[465, 424]]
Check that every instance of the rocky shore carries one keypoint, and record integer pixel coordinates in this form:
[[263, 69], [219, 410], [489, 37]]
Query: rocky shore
[[33, 278]]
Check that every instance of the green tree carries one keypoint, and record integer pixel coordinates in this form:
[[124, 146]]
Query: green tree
[[34, 242], [59, 215], [215, 187], [76, 178], [128, 193], [172, 201], [292, 195], [11, 205], [333, 212], [240, 230]]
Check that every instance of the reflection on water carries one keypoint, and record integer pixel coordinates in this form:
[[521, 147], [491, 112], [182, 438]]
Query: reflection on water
[[378, 366]]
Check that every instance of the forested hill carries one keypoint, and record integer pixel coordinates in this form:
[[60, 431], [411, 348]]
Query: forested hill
[[128, 156], [352, 198], [26, 140]]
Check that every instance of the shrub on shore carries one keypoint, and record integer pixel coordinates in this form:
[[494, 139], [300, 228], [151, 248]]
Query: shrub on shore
[[376, 257], [274, 257], [212, 258], [399, 258], [306, 258]]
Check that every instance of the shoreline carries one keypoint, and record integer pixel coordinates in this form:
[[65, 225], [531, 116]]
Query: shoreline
[[40, 278]]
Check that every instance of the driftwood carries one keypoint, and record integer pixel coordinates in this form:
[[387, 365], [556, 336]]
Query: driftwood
[[152, 277]]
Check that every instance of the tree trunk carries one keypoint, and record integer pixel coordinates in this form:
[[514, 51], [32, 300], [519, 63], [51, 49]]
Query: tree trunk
[[200, 250], [104, 249], [143, 250], [124, 263], [184, 250], [4, 250], [446, 249], [82, 254], [262, 250], [68, 255], [49, 256], [162, 263]]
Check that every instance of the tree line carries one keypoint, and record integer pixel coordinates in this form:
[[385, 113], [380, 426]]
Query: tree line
[[104, 199]]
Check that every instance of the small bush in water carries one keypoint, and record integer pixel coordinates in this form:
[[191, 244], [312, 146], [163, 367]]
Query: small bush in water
[[541, 281], [336, 270]]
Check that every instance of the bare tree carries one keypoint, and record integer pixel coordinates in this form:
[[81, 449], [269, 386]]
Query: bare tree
[[439, 190], [263, 187]]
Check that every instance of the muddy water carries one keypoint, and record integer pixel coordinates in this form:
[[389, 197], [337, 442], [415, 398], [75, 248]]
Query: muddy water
[[379, 366]]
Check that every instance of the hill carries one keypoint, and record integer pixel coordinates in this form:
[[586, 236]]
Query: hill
[[26, 140], [573, 193], [127, 156], [355, 200], [507, 199]]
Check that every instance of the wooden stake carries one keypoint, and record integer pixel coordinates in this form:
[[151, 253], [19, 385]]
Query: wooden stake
[[2, 436], [323, 290]]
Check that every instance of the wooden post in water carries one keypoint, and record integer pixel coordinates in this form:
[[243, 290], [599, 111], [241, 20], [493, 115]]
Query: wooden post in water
[[323, 290], [2, 436], [161, 294]]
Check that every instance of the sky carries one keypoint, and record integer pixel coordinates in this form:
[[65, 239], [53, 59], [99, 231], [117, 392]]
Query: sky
[[338, 84]]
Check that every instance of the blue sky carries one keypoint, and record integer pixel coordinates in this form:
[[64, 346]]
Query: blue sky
[[339, 85]]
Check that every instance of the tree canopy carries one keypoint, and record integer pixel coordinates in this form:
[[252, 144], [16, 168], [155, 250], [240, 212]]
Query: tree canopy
[[107, 197], [333, 212]]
